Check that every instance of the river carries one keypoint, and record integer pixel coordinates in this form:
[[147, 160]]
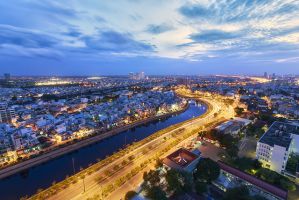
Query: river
[[42, 176]]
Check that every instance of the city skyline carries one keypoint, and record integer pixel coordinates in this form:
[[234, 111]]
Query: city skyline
[[157, 37], [149, 100]]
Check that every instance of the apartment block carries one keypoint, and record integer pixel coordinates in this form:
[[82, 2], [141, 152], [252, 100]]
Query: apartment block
[[275, 146]]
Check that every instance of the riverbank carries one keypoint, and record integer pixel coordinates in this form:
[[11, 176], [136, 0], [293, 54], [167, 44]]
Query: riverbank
[[91, 172], [19, 167]]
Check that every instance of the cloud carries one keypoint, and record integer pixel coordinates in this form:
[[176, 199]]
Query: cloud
[[213, 36], [99, 19], [54, 8], [20, 51], [194, 10], [290, 59], [112, 41], [25, 37], [259, 28], [20, 42], [157, 29], [73, 32], [236, 10], [203, 30], [28, 43], [135, 17]]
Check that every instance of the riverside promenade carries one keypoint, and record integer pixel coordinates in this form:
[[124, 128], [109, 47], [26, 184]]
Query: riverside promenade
[[59, 151]]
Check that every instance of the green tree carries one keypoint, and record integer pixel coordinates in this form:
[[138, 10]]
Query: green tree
[[155, 193], [287, 184], [200, 187], [247, 164], [152, 178], [276, 179], [232, 151], [178, 182], [202, 134], [207, 170], [130, 195], [292, 163], [258, 197], [241, 193], [256, 164], [174, 182], [239, 110]]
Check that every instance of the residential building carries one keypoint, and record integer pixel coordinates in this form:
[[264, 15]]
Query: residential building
[[182, 160], [275, 146], [6, 113]]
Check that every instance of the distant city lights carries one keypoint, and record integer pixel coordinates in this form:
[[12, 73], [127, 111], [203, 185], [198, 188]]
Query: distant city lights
[[95, 78], [53, 81]]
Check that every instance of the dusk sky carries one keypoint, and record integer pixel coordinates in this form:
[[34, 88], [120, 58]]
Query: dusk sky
[[93, 37]]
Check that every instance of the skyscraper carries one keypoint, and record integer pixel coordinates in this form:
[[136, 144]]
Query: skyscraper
[[137, 76], [141, 75], [265, 75]]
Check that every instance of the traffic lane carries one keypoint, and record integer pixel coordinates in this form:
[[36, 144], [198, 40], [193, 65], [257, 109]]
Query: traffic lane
[[91, 185]]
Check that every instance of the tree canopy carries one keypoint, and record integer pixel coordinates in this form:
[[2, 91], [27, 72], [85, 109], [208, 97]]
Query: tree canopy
[[200, 187], [130, 195], [178, 182], [207, 170], [241, 192], [275, 178], [174, 183], [156, 193]]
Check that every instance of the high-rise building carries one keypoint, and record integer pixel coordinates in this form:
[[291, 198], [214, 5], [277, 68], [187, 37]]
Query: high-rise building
[[7, 77], [265, 75], [131, 75], [137, 76], [6, 113], [141, 75]]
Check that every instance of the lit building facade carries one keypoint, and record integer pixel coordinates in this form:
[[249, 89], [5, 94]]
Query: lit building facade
[[275, 146]]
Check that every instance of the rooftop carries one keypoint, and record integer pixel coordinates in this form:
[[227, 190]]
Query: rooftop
[[283, 194], [180, 158], [279, 133]]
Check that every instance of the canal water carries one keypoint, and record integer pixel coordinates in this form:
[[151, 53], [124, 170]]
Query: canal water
[[42, 176]]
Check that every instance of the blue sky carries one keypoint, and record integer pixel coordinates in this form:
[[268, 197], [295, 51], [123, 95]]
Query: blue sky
[[92, 37]]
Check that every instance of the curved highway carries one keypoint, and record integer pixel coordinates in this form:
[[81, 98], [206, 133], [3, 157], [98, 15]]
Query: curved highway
[[217, 111]]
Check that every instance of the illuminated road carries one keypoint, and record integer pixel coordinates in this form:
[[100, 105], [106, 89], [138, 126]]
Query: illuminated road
[[92, 186]]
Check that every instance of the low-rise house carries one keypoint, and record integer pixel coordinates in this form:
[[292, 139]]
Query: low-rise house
[[182, 159], [233, 127]]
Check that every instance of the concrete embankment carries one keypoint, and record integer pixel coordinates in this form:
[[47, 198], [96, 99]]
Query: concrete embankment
[[10, 170]]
